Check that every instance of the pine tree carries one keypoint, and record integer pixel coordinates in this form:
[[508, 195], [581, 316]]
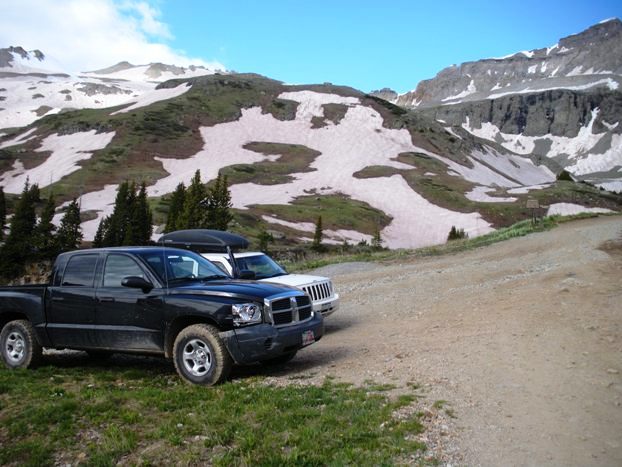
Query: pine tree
[[69, 234], [129, 221], [218, 205], [376, 241], [144, 217], [18, 247], [103, 227], [317, 236], [2, 213], [193, 214], [175, 209], [265, 239], [44, 240], [115, 227]]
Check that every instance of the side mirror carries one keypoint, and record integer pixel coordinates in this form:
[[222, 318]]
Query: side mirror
[[247, 274], [135, 282]]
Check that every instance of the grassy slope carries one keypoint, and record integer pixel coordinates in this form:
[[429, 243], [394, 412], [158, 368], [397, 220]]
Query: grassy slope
[[137, 411]]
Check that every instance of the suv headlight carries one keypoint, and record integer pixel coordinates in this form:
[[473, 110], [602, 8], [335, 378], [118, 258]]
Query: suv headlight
[[246, 313]]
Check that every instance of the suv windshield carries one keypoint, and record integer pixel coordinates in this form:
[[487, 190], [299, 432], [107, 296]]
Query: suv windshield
[[263, 266], [178, 265]]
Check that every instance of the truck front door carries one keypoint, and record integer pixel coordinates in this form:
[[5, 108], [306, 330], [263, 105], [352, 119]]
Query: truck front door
[[127, 318]]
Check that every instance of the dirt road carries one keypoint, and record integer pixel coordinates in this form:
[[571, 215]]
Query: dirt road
[[523, 340]]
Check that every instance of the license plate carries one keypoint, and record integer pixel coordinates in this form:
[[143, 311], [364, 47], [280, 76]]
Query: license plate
[[308, 338]]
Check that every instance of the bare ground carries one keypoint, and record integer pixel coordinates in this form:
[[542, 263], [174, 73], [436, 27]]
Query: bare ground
[[523, 339]]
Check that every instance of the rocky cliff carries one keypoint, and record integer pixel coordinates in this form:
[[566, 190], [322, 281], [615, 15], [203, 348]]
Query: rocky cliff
[[592, 58]]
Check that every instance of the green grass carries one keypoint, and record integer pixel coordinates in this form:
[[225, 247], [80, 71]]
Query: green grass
[[98, 415], [294, 158]]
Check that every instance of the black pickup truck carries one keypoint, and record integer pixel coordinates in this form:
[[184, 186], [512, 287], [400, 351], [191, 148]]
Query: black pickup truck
[[155, 300]]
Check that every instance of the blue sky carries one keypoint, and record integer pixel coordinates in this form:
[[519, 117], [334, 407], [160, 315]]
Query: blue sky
[[364, 44], [371, 44]]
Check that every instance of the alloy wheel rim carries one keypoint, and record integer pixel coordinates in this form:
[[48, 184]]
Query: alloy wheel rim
[[15, 347], [197, 357]]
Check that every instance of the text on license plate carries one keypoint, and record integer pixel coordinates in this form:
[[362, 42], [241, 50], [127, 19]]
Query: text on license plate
[[308, 338]]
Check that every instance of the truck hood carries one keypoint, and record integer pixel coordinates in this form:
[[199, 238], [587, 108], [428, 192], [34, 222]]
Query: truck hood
[[235, 288], [295, 280]]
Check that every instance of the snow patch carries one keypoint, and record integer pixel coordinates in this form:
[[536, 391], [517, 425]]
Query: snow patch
[[154, 96], [334, 236], [19, 139], [468, 91], [67, 151], [532, 69], [569, 209], [609, 82], [480, 194]]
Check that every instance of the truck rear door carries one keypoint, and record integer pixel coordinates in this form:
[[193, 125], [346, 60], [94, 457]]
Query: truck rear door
[[71, 306]]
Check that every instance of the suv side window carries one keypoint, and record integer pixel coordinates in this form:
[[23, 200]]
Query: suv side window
[[119, 267], [80, 271]]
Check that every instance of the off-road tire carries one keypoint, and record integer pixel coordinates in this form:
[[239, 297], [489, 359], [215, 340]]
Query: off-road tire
[[19, 347], [200, 355]]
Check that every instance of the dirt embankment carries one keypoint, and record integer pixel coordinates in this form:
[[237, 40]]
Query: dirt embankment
[[523, 339]]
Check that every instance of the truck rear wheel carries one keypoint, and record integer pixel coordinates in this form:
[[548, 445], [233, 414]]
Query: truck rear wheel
[[19, 346], [200, 355]]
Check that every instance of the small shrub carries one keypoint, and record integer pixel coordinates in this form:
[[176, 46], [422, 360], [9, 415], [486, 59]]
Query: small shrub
[[456, 234]]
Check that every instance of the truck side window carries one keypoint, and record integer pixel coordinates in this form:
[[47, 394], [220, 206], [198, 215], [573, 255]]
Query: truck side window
[[80, 271], [119, 267]]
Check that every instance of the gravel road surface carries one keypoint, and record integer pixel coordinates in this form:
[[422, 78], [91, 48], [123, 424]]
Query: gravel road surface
[[522, 339]]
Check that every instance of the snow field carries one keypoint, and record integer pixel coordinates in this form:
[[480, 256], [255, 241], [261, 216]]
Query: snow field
[[334, 236], [357, 142], [569, 209], [67, 151], [156, 95], [20, 106], [19, 139]]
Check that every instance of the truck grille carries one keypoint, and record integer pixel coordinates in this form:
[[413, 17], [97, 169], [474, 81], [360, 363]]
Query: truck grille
[[290, 310], [319, 291]]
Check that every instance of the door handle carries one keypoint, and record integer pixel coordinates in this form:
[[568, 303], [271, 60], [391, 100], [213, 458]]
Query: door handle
[[106, 299], [58, 299]]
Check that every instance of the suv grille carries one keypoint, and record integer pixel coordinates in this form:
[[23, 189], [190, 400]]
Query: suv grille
[[319, 291], [290, 310]]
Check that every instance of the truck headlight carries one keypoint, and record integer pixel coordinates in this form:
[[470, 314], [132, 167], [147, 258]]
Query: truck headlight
[[246, 313]]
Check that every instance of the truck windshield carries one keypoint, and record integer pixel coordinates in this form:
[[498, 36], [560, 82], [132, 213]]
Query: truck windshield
[[179, 266], [263, 266]]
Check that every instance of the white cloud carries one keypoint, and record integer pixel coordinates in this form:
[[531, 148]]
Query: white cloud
[[86, 35]]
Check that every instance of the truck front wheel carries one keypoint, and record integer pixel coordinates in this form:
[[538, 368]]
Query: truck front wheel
[[19, 346], [200, 355]]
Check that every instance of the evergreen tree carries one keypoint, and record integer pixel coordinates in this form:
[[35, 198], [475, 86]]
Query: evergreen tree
[[175, 209], [2, 213], [114, 233], [69, 234], [265, 239], [44, 240], [317, 236], [218, 205], [19, 243], [103, 227], [376, 241], [129, 221], [144, 217], [193, 215]]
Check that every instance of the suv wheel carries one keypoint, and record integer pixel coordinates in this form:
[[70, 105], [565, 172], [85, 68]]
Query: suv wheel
[[19, 346], [200, 355]]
